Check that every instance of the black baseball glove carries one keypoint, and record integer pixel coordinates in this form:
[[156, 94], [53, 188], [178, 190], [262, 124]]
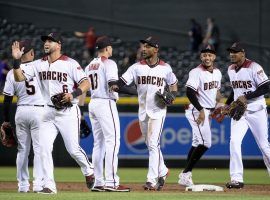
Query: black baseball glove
[[58, 103], [165, 99], [85, 130], [237, 109], [8, 137]]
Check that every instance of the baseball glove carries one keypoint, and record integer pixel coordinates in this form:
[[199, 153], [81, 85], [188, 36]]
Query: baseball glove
[[219, 113], [237, 109], [8, 137], [85, 130], [58, 103], [165, 99]]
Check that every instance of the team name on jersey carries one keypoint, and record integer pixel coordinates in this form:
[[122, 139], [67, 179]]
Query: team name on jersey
[[94, 66], [150, 80], [210, 85], [53, 75], [241, 84]]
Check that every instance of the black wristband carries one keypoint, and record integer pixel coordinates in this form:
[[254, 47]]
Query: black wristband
[[76, 93], [16, 63]]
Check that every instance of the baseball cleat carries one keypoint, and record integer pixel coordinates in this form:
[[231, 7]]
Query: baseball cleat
[[234, 185], [185, 179], [46, 191], [90, 180], [149, 186], [119, 188], [161, 181], [98, 189]]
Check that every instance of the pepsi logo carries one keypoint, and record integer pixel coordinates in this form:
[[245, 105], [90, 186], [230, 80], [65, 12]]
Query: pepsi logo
[[134, 139]]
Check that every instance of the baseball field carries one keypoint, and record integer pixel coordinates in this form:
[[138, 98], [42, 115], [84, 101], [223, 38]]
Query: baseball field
[[70, 185]]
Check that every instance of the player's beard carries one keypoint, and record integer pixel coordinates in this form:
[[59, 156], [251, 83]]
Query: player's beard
[[47, 51]]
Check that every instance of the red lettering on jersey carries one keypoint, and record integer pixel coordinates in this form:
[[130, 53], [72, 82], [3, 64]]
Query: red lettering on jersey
[[94, 66]]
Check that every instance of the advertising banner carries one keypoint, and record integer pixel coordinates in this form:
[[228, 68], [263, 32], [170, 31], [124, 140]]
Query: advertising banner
[[175, 139]]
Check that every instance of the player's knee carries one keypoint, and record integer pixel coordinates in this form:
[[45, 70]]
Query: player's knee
[[152, 146]]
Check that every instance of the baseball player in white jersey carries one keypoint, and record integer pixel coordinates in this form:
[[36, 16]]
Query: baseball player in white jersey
[[249, 84], [203, 93], [30, 107], [151, 75], [58, 73], [102, 72]]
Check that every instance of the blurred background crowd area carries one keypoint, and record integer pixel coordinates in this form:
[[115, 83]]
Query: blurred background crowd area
[[181, 26]]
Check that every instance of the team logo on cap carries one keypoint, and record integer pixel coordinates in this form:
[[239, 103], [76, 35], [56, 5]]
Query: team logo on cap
[[208, 47], [134, 139], [234, 45]]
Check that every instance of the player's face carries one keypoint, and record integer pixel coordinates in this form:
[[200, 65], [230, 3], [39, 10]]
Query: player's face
[[237, 57], [51, 47], [109, 50], [208, 59], [148, 51]]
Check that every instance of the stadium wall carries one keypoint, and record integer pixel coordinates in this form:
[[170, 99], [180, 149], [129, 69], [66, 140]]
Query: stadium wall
[[247, 21]]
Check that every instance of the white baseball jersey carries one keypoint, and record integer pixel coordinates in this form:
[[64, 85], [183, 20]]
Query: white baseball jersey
[[206, 84], [246, 80], [148, 81], [100, 71], [28, 92], [57, 77]]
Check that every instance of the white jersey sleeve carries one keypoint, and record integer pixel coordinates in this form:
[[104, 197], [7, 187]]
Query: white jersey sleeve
[[9, 87], [78, 75], [171, 78], [129, 76], [259, 75], [29, 72], [193, 79], [111, 70]]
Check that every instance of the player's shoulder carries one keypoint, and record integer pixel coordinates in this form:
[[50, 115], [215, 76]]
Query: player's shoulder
[[197, 69], [107, 61]]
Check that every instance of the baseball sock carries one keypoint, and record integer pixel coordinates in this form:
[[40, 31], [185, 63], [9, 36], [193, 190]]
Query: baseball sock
[[190, 153], [195, 157]]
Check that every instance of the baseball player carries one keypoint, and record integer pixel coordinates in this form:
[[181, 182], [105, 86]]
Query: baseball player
[[249, 84], [151, 75], [202, 90], [58, 73], [102, 72], [30, 107]]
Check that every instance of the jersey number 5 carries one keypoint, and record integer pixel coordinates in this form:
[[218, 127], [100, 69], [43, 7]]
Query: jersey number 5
[[93, 81], [30, 89]]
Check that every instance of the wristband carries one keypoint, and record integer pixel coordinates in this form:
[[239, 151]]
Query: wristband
[[76, 93], [16, 63]]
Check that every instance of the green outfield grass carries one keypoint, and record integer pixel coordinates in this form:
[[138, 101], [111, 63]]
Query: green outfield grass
[[134, 175]]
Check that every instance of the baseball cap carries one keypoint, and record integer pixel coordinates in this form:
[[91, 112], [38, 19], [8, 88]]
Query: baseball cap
[[152, 41], [236, 47], [208, 48], [102, 42], [27, 44], [55, 36]]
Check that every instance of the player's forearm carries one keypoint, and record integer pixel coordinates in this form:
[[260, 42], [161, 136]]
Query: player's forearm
[[18, 75], [191, 95], [82, 99], [219, 97], [84, 86], [262, 90], [17, 71], [173, 89]]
